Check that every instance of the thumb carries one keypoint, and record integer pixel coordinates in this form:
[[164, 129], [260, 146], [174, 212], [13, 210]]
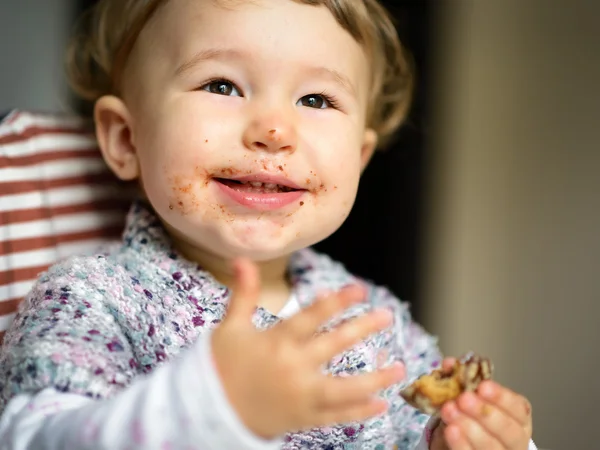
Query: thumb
[[245, 291], [448, 364]]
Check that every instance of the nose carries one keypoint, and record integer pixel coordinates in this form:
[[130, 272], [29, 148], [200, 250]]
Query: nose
[[271, 135]]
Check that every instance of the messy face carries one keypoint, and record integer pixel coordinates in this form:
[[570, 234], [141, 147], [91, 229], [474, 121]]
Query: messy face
[[248, 123]]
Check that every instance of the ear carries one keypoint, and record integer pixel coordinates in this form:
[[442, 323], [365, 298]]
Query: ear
[[115, 137], [368, 148]]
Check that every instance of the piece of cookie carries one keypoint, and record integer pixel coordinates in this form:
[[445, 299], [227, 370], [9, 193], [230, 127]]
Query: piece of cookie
[[429, 392]]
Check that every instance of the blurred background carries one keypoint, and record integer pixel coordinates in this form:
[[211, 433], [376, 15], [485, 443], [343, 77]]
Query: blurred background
[[485, 214]]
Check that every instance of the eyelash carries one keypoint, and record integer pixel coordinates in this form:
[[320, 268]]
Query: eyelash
[[333, 102], [216, 80], [330, 99]]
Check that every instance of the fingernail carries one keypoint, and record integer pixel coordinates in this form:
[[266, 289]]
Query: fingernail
[[324, 294], [468, 399], [383, 406], [487, 390], [397, 370], [359, 288], [468, 402], [450, 412], [385, 314], [399, 367]]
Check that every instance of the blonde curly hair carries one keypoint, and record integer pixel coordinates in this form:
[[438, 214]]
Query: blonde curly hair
[[107, 33]]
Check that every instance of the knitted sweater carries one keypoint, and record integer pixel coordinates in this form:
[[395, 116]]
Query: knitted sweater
[[91, 325]]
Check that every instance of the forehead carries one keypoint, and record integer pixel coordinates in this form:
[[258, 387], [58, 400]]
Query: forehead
[[288, 31]]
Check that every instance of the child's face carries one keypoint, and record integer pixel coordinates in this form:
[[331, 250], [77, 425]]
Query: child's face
[[257, 120]]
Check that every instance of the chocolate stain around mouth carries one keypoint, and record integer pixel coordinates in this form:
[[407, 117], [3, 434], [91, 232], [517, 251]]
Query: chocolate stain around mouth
[[183, 189], [184, 198]]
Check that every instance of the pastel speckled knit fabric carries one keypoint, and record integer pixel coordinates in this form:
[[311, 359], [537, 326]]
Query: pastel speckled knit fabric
[[92, 324]]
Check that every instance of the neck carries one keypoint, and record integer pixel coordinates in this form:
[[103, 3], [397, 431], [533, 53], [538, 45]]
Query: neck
[[275, 287]]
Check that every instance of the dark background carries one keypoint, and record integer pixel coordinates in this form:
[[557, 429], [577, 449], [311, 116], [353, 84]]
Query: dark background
[[382, 238]]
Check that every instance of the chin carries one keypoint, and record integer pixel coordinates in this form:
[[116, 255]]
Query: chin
[[258, 243], [264, 250]]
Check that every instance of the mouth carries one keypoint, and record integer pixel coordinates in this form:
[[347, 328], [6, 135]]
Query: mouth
[[262, 192], [255, 186], [260, 184]]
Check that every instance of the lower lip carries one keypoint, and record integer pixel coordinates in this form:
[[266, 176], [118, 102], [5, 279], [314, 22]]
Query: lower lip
[[261, 202]]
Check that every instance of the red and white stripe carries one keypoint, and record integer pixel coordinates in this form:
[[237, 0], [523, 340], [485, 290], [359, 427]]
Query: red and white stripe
[[57, 198]]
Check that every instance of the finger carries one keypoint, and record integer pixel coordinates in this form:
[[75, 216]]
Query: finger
[[513, 404], [458, 429], [450, 412], [471, 433], [455, 438], [326, 346], [353, 413], [498, 424], [448, 364], [306, 323], [244, 300], [336, 392]]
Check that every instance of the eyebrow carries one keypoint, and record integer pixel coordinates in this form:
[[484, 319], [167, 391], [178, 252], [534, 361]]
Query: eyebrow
[[223, 54], [208, 54], [339, 78]]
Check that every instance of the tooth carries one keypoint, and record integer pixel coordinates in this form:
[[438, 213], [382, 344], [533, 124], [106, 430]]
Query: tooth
[[270, 186], [256, 184]]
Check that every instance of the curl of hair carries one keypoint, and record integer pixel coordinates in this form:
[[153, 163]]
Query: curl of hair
[[101, 43]]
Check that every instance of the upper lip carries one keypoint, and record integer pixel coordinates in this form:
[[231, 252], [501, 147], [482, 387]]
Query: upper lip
[[266, 179]]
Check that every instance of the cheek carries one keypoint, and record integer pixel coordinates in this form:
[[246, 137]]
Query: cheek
[[183, 190], [173, 154], [342, 179], [338, 150], [174, 180], [181, 128], [334, 201], [340, 169]]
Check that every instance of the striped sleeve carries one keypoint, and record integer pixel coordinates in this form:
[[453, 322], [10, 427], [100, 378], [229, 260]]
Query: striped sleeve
[[57, 199]]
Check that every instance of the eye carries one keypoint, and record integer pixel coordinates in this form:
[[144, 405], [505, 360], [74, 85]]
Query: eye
[[317, 101], [221, 87]]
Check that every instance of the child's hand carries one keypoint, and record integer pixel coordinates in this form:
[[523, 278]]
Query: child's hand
[[493, 418], [274, 378]]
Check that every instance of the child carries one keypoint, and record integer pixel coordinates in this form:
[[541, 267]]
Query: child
[[247, 124]]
